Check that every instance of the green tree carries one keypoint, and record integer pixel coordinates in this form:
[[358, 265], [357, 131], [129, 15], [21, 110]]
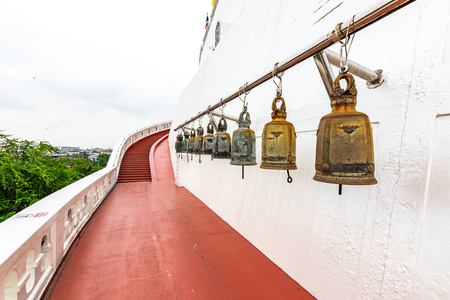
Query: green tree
[[29, 173], [102, 160]]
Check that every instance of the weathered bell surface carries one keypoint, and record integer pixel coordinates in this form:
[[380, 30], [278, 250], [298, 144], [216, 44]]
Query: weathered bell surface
[[221, 145], [243, 146], [208, 140], [344, 151], [278, 140], [191, 142], [184, 148], [185, 142], [179, 143], [198, 142]]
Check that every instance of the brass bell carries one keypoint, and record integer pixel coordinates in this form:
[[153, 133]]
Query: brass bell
[[278, 140], [208, 140], [179, 143], [198, 142], [191, 142], [344, 151], [184, 148], [221, 146], [243, 143]]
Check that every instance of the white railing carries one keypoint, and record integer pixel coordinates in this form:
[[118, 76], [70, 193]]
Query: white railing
[[34, 241]]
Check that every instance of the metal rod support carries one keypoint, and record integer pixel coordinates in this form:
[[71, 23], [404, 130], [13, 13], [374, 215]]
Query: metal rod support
[[325, 70], [360, 21], [228, 117], [356, 69]]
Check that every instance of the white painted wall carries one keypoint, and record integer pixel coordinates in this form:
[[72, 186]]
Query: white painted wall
[[388, 241]]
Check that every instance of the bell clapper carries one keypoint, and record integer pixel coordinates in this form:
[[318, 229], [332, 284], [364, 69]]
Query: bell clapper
[[340, 189], [200, 158], [242, 171], [289, 178]]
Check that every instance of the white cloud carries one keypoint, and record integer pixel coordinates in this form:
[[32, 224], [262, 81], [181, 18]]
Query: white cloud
[[85, 73]]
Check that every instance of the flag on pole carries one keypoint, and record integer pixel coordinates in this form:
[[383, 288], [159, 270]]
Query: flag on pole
[[207, 20]]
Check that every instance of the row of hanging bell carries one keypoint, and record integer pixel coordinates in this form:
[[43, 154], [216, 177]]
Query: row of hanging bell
[[344, 149]]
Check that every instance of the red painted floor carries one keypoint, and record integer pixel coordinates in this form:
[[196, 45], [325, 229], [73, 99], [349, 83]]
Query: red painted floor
[[153, 240]]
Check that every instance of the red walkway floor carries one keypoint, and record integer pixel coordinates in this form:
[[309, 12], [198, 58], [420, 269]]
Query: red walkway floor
[[153, 240]]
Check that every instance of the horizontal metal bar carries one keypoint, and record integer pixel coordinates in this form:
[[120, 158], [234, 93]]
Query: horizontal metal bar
[[228, 117], [360, 21]]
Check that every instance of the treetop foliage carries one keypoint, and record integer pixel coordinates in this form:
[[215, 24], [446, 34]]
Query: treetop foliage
[[29, 173]]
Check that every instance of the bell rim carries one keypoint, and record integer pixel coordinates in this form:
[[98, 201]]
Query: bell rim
[[245, 164], [269, 166], [347, 181]]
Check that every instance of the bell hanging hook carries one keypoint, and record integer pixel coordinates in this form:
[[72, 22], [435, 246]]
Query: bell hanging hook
[[279, 75], [243, 91], [222, 107], [346, 45]]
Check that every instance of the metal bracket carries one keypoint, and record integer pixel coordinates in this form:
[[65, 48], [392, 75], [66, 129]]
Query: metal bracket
[[374, 78], [228, 117]]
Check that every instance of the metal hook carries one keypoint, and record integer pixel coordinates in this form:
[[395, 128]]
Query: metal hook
[[289, 178], [222, 107], [275, 73], [243, 91], [343, 60]]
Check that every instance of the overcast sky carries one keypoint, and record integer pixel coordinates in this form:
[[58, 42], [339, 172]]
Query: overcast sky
[[87, 72]]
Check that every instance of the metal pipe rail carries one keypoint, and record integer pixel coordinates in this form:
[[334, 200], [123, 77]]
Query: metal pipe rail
[[360, 21]]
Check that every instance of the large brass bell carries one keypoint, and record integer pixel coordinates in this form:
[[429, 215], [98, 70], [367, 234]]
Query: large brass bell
[[198, 142], [179, 143], [208, 140], [344, 151], [278, 140], [221, 146], [243, 146]]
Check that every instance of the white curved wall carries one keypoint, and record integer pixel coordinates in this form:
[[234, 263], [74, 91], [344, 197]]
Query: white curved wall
[[34, 241], [388, 241]]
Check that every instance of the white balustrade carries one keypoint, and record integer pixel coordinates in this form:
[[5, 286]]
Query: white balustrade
[[34, 241]]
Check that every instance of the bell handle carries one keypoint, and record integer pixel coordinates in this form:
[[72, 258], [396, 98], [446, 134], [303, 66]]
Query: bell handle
[[247, 117], [348, 78], [282, 106], [223, 125], [210, 126]]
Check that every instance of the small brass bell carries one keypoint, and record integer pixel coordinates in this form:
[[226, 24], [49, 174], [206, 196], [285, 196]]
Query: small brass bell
[[208, 140], [184, 148], [278, 140], [243, 144], [344, 151], [198, 142], [191, 142], [221, 146], [179, 143]]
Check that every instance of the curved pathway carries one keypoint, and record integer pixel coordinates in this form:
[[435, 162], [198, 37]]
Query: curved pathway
[[154, 240]]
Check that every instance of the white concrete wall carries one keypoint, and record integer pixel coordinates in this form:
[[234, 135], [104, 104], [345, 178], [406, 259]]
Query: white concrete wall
[[388, 241]]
